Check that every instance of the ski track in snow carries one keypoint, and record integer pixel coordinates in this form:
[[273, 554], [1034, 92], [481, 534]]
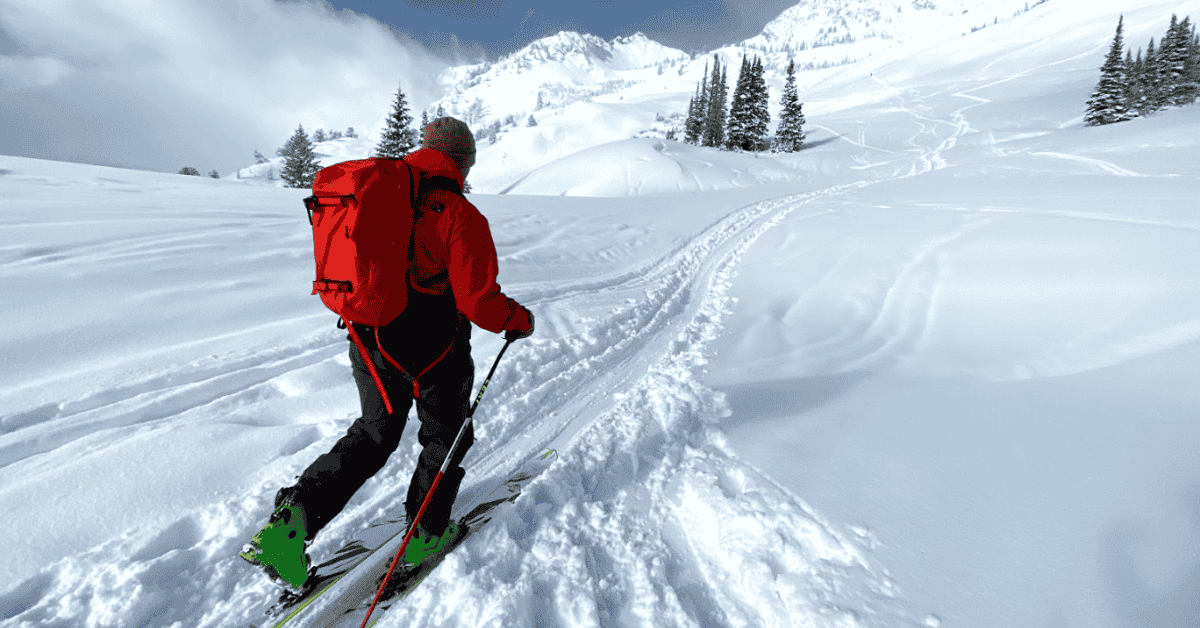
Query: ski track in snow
[[645, 447], [643, 454], [654, 463], [159, 397]]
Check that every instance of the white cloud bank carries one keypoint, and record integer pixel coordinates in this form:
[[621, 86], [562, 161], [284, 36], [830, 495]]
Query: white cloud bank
[[158, 85]]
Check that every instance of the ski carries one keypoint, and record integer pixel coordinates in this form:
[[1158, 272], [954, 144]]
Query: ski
[[291, 602], [343, 587], [403, 584]]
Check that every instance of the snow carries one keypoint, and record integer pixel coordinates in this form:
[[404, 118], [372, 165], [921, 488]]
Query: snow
[[938, 369]]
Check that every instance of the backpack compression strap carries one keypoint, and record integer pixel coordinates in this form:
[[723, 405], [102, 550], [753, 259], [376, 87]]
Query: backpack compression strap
[[370, 364]]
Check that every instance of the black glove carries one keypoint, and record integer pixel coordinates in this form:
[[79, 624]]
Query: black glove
[[514, 334]]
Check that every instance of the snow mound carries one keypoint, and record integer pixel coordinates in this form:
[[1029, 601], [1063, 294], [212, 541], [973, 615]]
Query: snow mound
[[652, 166]]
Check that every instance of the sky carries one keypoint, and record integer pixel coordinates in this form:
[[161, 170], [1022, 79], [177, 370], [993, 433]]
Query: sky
[[494, 27], [163, 85]]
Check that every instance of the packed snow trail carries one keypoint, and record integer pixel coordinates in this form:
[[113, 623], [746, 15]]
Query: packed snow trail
[[634, 524], [621, 400], [620, 391]]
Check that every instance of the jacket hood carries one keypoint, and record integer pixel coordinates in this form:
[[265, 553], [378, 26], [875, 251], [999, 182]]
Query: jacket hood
[[436, 163]]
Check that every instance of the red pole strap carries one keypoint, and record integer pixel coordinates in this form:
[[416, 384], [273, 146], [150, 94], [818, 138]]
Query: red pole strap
[[370, 366]]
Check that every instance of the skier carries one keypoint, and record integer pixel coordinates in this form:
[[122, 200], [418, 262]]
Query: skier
[[452, 283]]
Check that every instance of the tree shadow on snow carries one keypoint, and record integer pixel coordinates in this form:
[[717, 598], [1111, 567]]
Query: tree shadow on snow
[[813, 144]]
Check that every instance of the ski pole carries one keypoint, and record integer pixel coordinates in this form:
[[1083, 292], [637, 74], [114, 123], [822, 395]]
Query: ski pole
[[438, 478]]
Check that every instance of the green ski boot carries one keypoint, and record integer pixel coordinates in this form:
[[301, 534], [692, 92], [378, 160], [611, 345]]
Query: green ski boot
[[422, 545], [279, 548]]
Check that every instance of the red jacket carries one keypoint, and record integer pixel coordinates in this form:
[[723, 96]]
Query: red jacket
[[453, 252]]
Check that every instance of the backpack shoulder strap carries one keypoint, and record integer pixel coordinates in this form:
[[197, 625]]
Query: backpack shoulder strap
[[436, 182]]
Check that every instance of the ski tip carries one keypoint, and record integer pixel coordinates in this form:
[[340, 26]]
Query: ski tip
[[549, 452]]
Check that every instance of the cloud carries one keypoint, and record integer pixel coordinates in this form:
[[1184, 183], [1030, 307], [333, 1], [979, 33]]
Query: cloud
[[700, 25], [159, 85]]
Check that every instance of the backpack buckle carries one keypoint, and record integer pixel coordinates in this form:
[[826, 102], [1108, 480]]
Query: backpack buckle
[[310, 204], [313, 203], [330, 285]]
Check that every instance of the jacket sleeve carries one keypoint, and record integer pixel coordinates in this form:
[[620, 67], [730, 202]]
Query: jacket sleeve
[[473, 269]]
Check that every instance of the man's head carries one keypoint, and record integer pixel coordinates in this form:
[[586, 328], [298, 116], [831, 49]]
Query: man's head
[[453, 137]]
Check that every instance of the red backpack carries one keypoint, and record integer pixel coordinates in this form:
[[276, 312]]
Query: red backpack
[[361, 214]]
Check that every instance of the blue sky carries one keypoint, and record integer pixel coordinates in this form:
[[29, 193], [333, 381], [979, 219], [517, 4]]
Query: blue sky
[[494, 27]]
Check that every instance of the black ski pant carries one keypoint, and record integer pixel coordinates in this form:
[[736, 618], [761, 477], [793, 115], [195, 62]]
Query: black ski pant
[[329, 482]]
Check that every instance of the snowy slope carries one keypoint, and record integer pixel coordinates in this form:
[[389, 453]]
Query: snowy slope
[[935, 370]]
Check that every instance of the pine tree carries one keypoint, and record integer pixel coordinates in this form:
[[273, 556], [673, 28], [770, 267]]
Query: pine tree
[[739, 111], [1176, 54], [1128, 90], [706, 113], [697, 116], [258, 158], [398, 139], [1107, 104], [789, 136], [714, 122], [300, 164], [350, 132], [1140, 98], [531, 121], [721, 109], [214, 174], [760, 113], [1166, 73], [691, 115], [1180, 88], [1192, 68], [1150, 80], [475, 113], [189, 171], [318, 136]]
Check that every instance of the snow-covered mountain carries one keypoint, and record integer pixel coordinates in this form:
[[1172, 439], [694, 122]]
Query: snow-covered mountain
[[813, 24], [562, 68], [584, 92], [568, 67]]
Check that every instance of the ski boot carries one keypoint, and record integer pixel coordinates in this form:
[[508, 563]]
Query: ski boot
[[280, 547], [423, 545]]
